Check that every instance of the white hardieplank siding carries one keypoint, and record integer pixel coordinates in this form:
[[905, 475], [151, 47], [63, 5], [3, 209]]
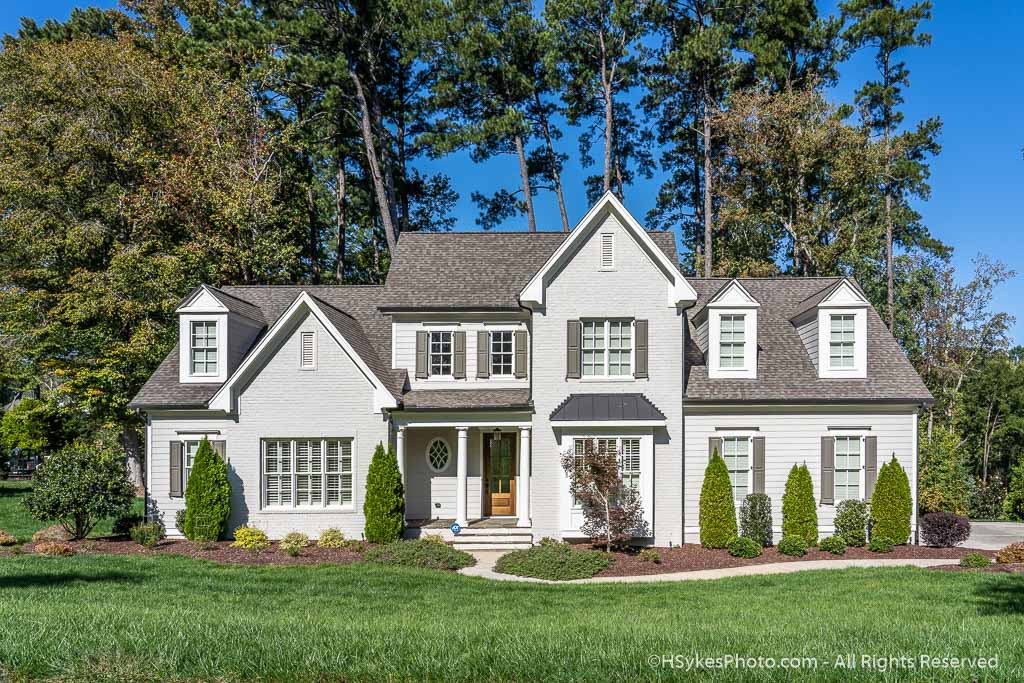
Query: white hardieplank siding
[[430, 494], [283, 401], [808, 332], [792, 435]]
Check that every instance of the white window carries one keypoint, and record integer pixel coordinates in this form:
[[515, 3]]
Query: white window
[[438, 455], [732, 342], [502, 356], [847, 467], [607, 251], [841, 341], [736, 453], [629, 456], [607, 348], [440, 353], [203, 347], [307, 353], [307, 472], [188, 450]]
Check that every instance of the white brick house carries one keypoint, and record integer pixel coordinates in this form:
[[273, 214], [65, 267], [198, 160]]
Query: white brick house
[[485, 356]]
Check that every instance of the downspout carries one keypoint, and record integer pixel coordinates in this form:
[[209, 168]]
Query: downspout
[[682, 437]]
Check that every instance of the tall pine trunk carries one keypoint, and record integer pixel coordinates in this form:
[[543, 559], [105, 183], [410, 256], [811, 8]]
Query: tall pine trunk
[[524, 174], [708, 186], [314, 231], [556, 175], [340, 221], [384, 206]]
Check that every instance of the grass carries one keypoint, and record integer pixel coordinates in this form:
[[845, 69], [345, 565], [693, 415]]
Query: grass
[[163, 617], [15, 519]]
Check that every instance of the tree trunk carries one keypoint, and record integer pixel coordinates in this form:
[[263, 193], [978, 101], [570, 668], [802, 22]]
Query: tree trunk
[[708, 187], [888, 260], [314, 232], [340, 221], [609, 119], [556, 175], [385, 207], [133, 458], [524, 174]]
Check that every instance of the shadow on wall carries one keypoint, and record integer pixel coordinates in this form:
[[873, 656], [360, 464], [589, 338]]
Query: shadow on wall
[[239, 509], [1001, 596]]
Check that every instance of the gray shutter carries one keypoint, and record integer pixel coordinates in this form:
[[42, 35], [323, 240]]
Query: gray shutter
[[574, 333], [758, 464], [483, 354], [640, 349], [520, 338], [176, 469], [459, 357], [870, 465], [828, 470], [421, 355], [714, 446]]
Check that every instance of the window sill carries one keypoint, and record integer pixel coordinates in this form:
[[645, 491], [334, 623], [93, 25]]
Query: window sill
[[308, 509], [610, 378]]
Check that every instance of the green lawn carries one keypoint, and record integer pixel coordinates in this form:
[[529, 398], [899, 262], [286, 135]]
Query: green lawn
[[121, 618], [15, 519]]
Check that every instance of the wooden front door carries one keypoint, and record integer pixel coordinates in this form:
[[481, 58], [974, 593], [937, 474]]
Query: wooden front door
[[500, 475]]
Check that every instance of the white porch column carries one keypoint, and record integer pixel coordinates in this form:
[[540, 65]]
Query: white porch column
[[523, 504], [400, 451], [462, 471]]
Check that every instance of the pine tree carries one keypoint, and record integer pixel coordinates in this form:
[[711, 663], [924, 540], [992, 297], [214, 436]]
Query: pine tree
[[717, 509], [207, 496], [891, 504], [799, 511], [384, 506]]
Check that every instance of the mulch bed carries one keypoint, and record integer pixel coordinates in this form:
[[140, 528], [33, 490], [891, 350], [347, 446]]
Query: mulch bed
[[692, 557]]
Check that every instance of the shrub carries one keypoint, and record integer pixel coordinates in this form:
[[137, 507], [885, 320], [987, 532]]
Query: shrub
[[851, 522], [553, 562], [987, 499], [250, 538], [944, 529], [419, 553], [384, 506], [944, 478], [649, 555], [293, 543], [1013, 506], [331, 538], [55, 549], [1011, 554], [6, 538], [975, 560], [147, 534], [124, 524], [890, 504], [833, 544], [207, 496], [51, 533], [744, 547], [547, 540], [794, 546], [78, 486], [881, 544], [799, 511], [717, 509], [756, 519], [179, 520]]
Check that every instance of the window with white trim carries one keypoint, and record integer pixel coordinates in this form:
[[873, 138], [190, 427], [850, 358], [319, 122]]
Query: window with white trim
[[731, 342], [607, 348], [188, 457], [203, 347], [439, 455], [847, 467], [628, 450], [842, 337], [307, 473], [307, 352], [441, 353], [736, 453], [502, 354]]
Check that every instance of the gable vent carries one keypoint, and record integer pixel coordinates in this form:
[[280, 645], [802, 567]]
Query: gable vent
[[607, 251], [308, 353]]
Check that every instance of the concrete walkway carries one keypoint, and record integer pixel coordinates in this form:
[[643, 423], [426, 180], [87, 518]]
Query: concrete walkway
[[485, 568], [994, 535]]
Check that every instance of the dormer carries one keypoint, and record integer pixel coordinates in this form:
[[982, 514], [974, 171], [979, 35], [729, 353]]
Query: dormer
[[833, 325], [731, 319], [214, 332]]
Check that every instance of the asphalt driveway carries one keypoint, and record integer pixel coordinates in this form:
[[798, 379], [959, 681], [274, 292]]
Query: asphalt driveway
[[994, 535]]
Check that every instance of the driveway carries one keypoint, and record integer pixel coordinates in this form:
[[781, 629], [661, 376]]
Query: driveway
[[994, 535]]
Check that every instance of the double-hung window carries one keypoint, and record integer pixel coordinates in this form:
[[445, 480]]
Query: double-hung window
[[847, 467], [307, 472], [203, 347], [607, 348], [188, 457], [736, 453], [441, 353], [732, 342], [502, 353], [841, 341]]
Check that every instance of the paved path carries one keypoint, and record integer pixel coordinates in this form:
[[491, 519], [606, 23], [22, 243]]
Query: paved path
[[485, 568], [994, 535]]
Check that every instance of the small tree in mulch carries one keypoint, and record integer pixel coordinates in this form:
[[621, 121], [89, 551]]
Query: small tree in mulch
[[717, 510], [207, 496], [613, 513], [799, 511], [384, 506], [891, 505]]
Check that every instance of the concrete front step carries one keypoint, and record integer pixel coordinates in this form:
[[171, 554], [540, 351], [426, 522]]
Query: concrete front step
[[504, 545], [496, 531]]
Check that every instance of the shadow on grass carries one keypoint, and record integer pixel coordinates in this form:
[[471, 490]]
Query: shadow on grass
[[54, 580], [1001, 597], [15, 490]]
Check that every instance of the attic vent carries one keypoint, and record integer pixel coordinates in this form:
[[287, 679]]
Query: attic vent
[[307, 361], [607, 251]]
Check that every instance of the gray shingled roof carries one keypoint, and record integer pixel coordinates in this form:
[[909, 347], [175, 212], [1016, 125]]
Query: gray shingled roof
[[163, 390], [784, 371], [458, 399], [474, 270], [811, 302], [606, 407], [239, 306]]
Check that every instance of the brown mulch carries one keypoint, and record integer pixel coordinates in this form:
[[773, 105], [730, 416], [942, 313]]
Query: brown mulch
[[692, 557]]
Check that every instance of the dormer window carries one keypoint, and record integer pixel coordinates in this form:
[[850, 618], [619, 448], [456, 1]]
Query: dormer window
[[841, 341], [731, 327], [203, 348], [732, 343], [842, 333]]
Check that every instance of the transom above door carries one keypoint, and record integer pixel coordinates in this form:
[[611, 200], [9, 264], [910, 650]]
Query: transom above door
[[499, 473]]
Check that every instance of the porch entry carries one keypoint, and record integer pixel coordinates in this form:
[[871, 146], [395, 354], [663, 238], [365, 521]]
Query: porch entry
[[499, 474]]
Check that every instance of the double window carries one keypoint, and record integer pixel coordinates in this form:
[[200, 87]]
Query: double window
[[847, 467], [607, 348], [841, 342], [440, 353], [307, 472], [502, 353], [732, 342], [736, 453], [203, 347]]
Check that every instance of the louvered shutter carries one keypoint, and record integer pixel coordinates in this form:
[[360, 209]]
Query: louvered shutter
[[607, 251], [421, 354], [758, 464], [520, 338], [828, 470], [870, 465], [308, 351], [175, 470], [574, 331], [459, 356], [483, 354], [640, 330]]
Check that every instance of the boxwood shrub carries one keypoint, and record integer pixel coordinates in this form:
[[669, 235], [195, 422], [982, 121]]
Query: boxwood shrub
[[890, 504], [147, 534], [331, 538], [833, 544], [851, 522], [799, 511], [944, 529], [794, 546], [559, 562], [881, 544], [250, 538], [419, 552], [744, 547], [975, 560], [1011, 554], [756, 519]]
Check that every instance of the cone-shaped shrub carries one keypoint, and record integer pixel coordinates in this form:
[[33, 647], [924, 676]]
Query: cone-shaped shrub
[[799, 513], [385, 503], [717, 511], [890, 504], [207, 496]]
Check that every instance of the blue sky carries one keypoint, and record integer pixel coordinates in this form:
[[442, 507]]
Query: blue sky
[[969, 76]]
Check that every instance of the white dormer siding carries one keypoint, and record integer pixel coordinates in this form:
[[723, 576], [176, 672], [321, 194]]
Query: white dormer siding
[[842, 331], [732, 334]]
